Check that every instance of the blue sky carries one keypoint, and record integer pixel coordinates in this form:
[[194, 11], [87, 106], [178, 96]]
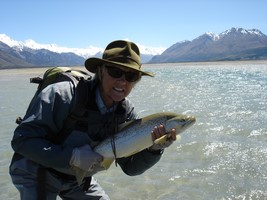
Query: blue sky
[[154, 23]]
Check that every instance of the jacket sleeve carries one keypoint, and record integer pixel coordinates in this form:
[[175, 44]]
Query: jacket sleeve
[[138, 163], [45, 116], [141, 161]]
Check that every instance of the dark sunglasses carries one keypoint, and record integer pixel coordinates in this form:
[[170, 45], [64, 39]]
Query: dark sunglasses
[[117, 73]]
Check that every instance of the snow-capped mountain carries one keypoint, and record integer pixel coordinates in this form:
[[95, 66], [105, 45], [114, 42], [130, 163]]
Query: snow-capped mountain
[[232, 44], [83, 52], [234, 31], [30, 53], [20, 45], [241, 31]]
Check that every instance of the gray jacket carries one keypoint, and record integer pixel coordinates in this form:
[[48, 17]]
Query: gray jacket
[[46, 115]]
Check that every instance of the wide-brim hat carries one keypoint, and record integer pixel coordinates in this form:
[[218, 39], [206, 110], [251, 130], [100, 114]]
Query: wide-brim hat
[[119, 53]]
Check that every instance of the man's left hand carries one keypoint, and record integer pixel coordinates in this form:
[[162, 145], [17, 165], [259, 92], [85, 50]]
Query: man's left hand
[[158, 132]]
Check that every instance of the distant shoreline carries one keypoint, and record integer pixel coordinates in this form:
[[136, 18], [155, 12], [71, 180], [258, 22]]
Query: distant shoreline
[[145, 64], [32, 67], [32, 70]]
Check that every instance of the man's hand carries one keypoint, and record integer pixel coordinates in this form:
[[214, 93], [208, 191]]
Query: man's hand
[[85, 158], [158, 132]]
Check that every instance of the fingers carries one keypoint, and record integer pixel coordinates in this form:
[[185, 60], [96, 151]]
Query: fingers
[[173, 134], [162, 143], [159, 131]]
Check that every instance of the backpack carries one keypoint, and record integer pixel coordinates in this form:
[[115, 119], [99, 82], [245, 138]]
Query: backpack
[[55, 75]]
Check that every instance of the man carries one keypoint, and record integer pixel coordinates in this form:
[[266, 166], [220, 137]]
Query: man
[[49, 144]]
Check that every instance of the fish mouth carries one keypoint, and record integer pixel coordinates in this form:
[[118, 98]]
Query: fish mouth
[[189, 120], [192, 119], [182, 122]]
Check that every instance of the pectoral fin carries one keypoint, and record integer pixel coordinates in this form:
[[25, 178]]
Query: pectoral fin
[[79, 174], [164, 138], [161, 140], [106, 163]]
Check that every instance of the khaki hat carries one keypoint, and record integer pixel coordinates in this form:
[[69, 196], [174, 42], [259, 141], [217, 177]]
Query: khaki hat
[[121, 53]]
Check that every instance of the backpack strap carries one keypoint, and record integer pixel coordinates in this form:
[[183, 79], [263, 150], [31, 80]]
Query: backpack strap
[[55, 75], [81, 95]]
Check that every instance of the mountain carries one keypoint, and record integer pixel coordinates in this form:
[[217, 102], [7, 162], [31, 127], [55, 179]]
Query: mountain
[[29, 53], [9, 57], [233, 44], [15, 54]]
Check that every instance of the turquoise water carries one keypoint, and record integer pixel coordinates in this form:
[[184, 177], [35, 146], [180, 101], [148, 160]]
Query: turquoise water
[[223, 156]]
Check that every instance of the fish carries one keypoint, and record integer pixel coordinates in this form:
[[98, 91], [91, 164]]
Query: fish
[[135, 136]]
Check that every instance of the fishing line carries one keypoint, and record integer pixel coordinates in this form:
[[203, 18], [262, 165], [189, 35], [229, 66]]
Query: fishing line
[[114, 131]]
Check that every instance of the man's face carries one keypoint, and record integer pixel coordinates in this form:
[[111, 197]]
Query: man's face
[[116, 89]]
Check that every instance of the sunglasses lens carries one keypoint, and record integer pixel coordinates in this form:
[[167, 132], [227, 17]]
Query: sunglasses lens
[[114, 72], [131, 77], [117, 73]]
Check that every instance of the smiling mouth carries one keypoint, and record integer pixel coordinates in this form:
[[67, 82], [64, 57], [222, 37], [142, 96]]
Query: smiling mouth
[[118, 89]]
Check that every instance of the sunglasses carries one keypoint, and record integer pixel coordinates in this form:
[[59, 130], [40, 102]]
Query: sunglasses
[[115, 72]]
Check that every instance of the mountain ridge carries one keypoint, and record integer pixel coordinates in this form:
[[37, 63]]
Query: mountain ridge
[[232, 44]]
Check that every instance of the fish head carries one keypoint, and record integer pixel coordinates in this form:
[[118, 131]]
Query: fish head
[[179, 122]]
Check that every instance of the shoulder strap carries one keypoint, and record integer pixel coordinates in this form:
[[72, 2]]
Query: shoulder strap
[[81, 95], [55, 75]]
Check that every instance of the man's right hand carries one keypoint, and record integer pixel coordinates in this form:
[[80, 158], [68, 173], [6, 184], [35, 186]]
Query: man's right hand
[[85, 158]]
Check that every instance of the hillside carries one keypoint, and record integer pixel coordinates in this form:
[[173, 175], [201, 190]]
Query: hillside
[[233, 44]]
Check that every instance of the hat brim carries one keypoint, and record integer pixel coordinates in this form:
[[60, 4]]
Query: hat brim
[[91, 65]]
